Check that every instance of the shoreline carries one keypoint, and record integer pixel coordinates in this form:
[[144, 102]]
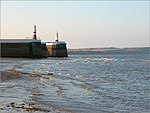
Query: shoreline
[[22, 106], [14, 105]]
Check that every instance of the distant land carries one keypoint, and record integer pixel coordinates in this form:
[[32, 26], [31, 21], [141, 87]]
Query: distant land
[[110, 50]]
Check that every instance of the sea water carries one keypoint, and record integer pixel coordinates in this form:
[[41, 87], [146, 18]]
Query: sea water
[[81, 83]]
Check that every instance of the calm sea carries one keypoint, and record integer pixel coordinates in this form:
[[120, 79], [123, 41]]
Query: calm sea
[[81, 83]]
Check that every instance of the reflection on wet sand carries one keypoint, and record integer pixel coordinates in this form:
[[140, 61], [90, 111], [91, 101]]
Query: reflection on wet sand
[[22, 106]]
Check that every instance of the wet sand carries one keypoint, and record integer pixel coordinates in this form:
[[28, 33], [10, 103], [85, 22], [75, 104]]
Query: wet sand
[[15, 106], [4, 76], [22, 107]]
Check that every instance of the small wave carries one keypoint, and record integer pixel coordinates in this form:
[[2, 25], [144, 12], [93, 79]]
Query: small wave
[[108, 59], [59, 91], [57, 63], [68, 78], [146, 60], [79, 76], [42, 103], [108, 96], [60, 109], [124, 59], [43, 64], [90, 85], [81, 86], [100, 79], [60, 73], [85, 88], [100, 59], [54, 85], [105, 79]]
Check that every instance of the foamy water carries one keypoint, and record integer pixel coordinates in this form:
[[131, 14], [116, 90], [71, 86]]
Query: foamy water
[[81, 83]]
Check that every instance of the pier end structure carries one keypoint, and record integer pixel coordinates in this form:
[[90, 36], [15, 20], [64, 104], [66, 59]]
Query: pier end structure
[[57, 49], [32, 48]]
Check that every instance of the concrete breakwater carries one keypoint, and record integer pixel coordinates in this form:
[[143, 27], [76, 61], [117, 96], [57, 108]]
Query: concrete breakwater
[[32, 48]]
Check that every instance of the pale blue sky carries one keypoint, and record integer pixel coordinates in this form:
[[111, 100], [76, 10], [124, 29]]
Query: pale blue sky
[[80, 23]]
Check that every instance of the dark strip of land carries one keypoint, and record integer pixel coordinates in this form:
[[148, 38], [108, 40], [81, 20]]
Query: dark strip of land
[[111, 50]]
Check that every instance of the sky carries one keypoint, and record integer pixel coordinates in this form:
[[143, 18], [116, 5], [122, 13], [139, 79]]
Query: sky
[[82, 24]]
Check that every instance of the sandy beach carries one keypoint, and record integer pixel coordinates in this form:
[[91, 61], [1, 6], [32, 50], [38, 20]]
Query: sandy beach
[[21, 102], [5, 76], [13, 106]]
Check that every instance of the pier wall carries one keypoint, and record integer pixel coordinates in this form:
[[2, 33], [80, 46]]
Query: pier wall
[[15, 49], [44, 50], [31, 49], [57, 50], [20, 49], [36, 49]]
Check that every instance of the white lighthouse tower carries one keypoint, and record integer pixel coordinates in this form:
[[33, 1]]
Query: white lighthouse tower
[[34, 31], [56, 36]]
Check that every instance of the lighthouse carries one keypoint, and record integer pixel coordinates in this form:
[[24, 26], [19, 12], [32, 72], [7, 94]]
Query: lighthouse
[[56, 36], [34, 31], [57, 48]]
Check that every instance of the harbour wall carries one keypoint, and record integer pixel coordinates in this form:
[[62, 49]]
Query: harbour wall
[[21, 48], [54, 50], [57, 50], [31, 49]]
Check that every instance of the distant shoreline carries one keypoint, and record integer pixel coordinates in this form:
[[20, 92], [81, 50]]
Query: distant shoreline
[[112, 50]]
